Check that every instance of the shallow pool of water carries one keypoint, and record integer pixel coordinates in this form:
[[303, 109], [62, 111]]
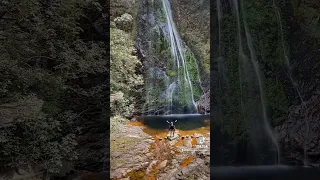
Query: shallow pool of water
[[184, 121]]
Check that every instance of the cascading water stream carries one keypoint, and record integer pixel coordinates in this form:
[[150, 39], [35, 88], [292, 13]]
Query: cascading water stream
[[172, 78], [176, 49], [258, 75], [287, 62], [241, 56]]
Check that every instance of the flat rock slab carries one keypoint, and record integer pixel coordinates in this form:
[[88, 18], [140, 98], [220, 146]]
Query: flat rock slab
[[129, 141], [176, 136]]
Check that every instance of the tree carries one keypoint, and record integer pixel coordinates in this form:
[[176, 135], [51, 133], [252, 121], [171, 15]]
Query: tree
[[123, 76]]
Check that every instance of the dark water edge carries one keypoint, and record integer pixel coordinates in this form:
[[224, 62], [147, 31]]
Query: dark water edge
[[264, 173], [184, 121]]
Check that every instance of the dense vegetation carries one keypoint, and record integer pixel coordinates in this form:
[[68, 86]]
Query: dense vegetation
[[53, 71], [125, 80]]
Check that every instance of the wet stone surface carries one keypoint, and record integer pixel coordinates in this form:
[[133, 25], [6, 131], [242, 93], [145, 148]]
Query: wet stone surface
[[136, 154]]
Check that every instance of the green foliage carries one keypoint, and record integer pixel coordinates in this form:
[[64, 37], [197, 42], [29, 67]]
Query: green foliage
[[115, 122], [159, 12], [264, 28], [123, 63], [45, 51], [192, 67], [171, 73], [264, 25], [229, 96], [36, 138], [123, 106], [119, 7], [160, 16], [123, 75], [193, 73]]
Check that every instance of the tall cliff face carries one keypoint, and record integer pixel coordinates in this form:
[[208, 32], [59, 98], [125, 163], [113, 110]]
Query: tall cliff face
[[301, 131], [175, 57], [285, 38], [193, 22]]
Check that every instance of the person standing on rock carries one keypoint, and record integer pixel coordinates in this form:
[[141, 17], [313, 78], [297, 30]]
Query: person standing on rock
[[172, 128]]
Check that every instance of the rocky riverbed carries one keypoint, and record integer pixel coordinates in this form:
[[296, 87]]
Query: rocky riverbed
[[135, 154]]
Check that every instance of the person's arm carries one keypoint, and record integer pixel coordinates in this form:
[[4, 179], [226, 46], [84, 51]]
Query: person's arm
[[168, 122], [175, 121]]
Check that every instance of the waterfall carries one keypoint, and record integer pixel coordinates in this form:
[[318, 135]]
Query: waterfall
[[172, 77], [245, 65], [241, 55], [258, 75], [176, 48]]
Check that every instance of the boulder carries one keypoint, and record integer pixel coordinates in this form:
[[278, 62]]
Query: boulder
[[187, 141], [171, 138], [196, 135]]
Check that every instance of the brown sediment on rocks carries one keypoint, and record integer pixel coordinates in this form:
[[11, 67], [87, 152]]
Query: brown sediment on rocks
[[186, 162], [161, 158]]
